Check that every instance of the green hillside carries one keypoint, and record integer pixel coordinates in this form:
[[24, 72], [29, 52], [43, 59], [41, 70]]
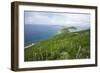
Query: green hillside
[[65, 45]]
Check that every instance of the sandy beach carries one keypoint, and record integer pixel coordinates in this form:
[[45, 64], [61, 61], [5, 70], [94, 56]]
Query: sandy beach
[[29, 45]]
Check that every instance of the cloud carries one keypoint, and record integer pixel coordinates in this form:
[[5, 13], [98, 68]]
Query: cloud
[[51, 18], [35, 18]]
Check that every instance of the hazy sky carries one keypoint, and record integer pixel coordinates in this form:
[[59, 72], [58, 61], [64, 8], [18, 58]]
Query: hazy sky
[[51, 18]]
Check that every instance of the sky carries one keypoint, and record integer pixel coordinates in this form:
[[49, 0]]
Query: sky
[[57, 18]]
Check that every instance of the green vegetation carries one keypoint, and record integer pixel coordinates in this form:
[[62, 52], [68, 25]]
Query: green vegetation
[[65, 45]]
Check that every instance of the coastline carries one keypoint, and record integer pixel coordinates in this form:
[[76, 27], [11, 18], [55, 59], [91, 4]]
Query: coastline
[[34, 43], [29, 45]]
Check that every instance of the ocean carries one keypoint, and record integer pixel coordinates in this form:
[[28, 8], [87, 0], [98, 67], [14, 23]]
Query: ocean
[[34, 32]]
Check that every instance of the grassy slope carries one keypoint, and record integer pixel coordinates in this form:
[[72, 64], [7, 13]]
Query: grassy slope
[[67, 45]]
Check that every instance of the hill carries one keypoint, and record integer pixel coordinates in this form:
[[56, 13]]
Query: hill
[[65, 45]]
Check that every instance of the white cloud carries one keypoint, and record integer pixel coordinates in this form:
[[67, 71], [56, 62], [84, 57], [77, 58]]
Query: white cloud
[[67, 19]]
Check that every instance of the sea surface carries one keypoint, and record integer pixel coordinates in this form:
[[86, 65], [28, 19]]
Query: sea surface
[[34, 33]]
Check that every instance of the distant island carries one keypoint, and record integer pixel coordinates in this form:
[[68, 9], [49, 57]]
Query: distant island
[[64, 45]]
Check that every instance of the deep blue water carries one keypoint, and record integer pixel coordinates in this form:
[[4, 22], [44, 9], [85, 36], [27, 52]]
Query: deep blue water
[[35, 33]]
